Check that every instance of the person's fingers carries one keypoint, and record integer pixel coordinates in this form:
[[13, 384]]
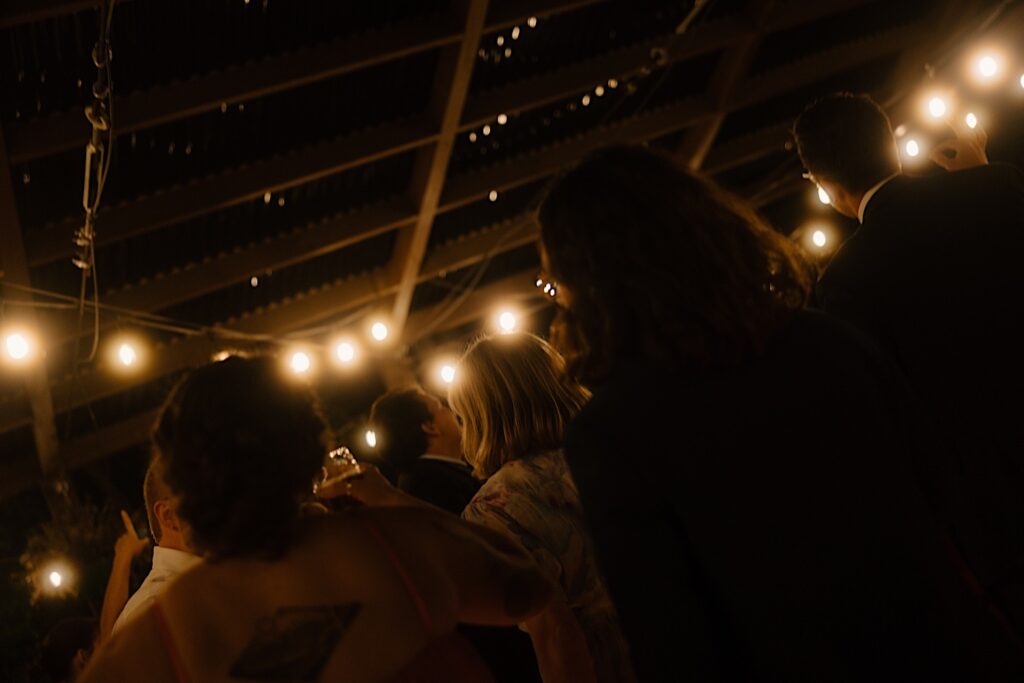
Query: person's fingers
[[128, 526]]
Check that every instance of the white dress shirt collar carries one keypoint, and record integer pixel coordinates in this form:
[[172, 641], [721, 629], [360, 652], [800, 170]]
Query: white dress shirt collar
[[869, 194], [445, 458]]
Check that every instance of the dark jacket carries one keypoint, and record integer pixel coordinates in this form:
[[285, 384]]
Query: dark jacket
[[936, 276], [447, 485], [763, 523]]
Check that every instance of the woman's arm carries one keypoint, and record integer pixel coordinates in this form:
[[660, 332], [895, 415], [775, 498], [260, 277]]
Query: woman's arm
[[560, 645], [128, 546]]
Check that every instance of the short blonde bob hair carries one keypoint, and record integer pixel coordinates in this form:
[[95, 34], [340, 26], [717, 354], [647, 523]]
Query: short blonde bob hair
[[514, 400]]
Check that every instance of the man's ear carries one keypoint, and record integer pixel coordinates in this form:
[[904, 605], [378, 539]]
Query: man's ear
[[429, 428], [165, 515]]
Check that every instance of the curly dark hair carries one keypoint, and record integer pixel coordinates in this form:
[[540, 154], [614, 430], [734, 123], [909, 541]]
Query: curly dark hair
[[397, 419], [847, 138], [240, 444], [661, 262]]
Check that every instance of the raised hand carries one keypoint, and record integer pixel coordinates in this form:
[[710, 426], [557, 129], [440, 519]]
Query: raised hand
[[129, 544], [966, 150]]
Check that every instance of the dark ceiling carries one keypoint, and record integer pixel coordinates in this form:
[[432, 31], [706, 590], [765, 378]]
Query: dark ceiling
[[345, 155]]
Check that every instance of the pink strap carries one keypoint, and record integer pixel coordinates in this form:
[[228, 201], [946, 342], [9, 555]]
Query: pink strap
[[169, 646], [410, 587]]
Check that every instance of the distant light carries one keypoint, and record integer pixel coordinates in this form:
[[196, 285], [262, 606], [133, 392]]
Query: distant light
[[379, 331], [547, 287], [913, 149], [18, 346], [55, 579], [502, 119], [472, 137], [507, 321], [300, 362], [493, 195], [612, 83], [1022, 80], [501, 41], [586, 100], [447, 374], [937, 107], [599, 91], [532, 22], [126, 355], [254, 281], [487, 130], [345, 352], [971, 120], [508, 52], [988, 67], [819, 238], [901, 130], [280, 201], [515, 33], [823, 196], [539, 282], [371, 438], [266, 197]]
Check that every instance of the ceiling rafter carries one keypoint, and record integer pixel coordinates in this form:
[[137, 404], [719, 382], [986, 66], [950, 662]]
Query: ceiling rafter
[[731, 68], [149, 213], [451, 87]]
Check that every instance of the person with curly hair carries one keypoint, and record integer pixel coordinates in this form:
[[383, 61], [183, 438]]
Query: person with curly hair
[[360, 595], [744, 464]]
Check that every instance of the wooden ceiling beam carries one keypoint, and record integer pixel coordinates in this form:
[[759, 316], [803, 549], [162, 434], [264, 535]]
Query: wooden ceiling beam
[[451, 87]]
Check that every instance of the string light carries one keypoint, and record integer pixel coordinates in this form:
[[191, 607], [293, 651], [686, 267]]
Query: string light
[[254, 281], [912, 148], [493, 195], [937, 107], [901, 130], [379, 331], [55, 579], [532, 22], [819, 238], [971, 120], [987, 67], [127, 355], [612, 83], [823, 196], [447, 373], [1021, 81], [300, 362], [586, 100], [507, 321], [371, 438], [345, 352], [472, 137], [18, 346], [266, 197], [515, 33], [486, 130], [501, 41], [502, 119], [599, 91]]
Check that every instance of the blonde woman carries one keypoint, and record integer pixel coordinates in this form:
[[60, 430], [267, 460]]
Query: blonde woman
[[514, 406]]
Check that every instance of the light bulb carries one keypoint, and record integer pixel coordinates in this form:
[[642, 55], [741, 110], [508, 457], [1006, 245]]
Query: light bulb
[[371, 438], [18, 346], [493, 195], [823, 196], [819, 238], [913, 149], [55, 579], [971, 120], [379, 331], [345, 352], [502, 119], [937, 107], [300, 362], [447, 374], [507, 321], [126, 354], [988, 67]]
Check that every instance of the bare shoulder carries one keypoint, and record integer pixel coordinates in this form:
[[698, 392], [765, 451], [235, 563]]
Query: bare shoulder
[[134, 652]]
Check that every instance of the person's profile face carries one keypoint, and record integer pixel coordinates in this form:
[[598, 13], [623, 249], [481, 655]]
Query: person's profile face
[[443, 417]]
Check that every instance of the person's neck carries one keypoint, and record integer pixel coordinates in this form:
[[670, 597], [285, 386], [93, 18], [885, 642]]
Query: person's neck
[[444, 449], [174, 543]]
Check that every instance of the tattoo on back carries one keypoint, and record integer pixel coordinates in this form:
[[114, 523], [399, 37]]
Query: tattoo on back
[[294, 643]]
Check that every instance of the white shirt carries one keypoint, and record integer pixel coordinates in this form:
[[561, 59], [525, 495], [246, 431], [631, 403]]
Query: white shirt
[[167, 564], [445, 458], [869, 194]]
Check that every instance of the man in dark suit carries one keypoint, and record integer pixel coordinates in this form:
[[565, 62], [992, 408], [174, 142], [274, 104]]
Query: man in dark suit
[[934, 275], [419, 438]]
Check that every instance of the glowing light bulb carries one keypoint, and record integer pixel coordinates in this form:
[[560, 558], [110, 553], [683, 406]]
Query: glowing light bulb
[[126, 354], [612, 83], [532, 22], [971, 120], [819, 238], [18, 346], [988, 67], [901, 130], [507, 321], [487, 130], [1022, 80], [586, 100], [515, 33], [254, 281], [266, 197], [502, 119], [937, 107], [447, 374], [371, 438], [345, 352], [493, 195], [599, 91], [500, 41], [55, 579], [300, 362], [472, 137], [823, 196], [912, 148], [379, 331]]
